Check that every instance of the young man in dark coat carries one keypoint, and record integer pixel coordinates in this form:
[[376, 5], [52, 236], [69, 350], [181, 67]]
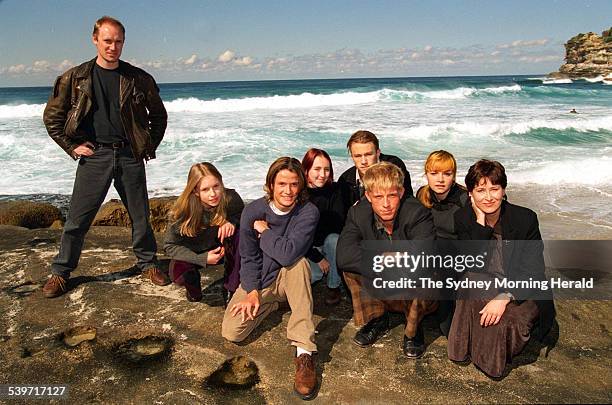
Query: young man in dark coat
[[383, 215], [108, 114], [365, 151]]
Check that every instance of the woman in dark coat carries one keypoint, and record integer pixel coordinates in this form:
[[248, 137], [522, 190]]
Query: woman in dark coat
[[443, 196], [203, 231], [491, 331], [441, 193], [328, 197]]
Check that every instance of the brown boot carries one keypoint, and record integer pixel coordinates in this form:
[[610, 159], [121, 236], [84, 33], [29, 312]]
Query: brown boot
[[156, 276], [305, 385], [55, 286], [333, 296]]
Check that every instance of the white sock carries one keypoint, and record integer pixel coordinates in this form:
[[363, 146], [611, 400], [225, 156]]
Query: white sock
[[301, 351]]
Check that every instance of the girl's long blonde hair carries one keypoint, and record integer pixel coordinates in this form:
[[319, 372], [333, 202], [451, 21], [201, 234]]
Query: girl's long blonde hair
[[188, 208], [439, 160]]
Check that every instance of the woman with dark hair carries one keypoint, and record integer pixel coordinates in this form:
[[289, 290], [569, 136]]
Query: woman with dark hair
[[326, 195], [492, 330], [203, 231]]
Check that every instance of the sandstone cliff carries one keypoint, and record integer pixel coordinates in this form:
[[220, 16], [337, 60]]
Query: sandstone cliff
[[587, 55]]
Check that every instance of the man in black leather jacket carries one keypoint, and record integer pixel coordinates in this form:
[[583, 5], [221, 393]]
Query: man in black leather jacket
[[107, 114]]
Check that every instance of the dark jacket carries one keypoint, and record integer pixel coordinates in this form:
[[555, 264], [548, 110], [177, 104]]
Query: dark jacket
[[412, 222], [143, 115], [195, 249], [354, 193], [330, 202], [288, 239], [520, 260], [444, 211]]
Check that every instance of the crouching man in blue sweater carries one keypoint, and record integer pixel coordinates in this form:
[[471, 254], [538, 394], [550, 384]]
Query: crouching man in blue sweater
[[276, 231]]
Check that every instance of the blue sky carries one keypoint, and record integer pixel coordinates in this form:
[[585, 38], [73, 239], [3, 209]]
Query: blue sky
[[179, 41]]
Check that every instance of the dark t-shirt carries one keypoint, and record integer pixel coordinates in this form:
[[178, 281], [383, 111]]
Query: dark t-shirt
[[105, 117]]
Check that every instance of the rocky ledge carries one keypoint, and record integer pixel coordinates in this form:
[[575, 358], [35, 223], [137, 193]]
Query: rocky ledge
[[587, 56], [116, 338]]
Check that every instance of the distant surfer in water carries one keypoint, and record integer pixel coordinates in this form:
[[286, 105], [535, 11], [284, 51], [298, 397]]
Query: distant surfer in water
[[573, 111]]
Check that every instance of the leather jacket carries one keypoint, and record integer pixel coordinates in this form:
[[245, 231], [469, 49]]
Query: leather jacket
[[143, 115]]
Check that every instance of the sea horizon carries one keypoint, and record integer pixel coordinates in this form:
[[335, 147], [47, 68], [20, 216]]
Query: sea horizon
[[311, 79]]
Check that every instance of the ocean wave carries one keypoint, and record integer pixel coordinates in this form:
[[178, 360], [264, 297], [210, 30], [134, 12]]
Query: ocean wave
[[557, 81], [21, 111], [309, 100], [586, 172], [495, 129], [304, 100], [451, 94]]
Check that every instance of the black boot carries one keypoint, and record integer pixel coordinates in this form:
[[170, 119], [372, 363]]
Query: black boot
[[414, 347], [372, 331]]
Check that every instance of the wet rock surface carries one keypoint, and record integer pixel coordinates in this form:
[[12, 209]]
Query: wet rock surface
[[152, 346]]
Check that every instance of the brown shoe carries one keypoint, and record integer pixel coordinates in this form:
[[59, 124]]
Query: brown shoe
[[333, 297], [156, 276], [305, 385], [55, 286]]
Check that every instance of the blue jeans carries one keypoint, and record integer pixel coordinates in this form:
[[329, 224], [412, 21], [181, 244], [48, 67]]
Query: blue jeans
[[329, 252]]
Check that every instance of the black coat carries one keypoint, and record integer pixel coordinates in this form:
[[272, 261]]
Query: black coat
[[330, 202], [518, 224], [444, 211], [350, 180], [412, 222]]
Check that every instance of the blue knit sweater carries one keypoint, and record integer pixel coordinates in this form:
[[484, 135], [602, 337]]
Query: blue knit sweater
[[288, 239]]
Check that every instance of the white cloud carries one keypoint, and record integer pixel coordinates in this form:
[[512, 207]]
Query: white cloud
[[226, 56], [540, 58], [245, 61], [524, 44], [397, 61], [191, 60], [17, 69]]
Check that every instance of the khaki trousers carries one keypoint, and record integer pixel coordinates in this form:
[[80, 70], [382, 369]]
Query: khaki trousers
[[292, 285]]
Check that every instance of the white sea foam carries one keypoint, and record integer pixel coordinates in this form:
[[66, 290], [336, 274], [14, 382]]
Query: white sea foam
[[591, 172], [557, 81], [496, 129], [304, 100], [309, 100], [299, 101], [594, 79], [21, 111]]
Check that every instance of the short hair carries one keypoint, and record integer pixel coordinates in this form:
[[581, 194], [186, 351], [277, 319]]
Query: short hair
[[285, 163], [309, 158], [383, 176], [107, 20], [362, 136], [490, 169]]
